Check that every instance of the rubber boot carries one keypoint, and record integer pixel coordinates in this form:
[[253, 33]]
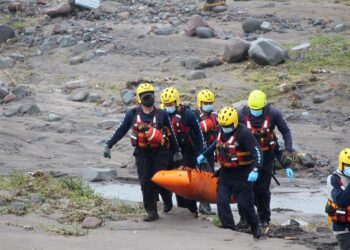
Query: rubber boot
[[204, 208], [167, 207], [151, 216], [256, 232], [242, 224]]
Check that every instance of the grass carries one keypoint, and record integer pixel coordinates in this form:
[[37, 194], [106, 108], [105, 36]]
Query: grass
[[74, 199], [325, 52]]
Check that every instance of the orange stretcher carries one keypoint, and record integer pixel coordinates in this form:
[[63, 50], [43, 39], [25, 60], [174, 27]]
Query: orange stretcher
[[189, 183]]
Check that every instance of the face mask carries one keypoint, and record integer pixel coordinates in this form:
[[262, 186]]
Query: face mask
[[256, 113], [346, 171], [170, 110], [207, 108], [227, 130], [147, 100]]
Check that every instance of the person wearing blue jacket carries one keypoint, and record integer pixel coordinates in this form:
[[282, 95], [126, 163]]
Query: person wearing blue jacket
[[241, 158], [154, 142], [188, 135], [338, 204], [262, 119]]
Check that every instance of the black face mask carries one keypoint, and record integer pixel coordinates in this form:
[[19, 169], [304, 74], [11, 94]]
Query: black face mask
[[147, 99]]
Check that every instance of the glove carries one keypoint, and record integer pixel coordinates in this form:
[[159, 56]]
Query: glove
[[253, 176], [287, 159], [177, 157], [289, 173], [107, 152], [201, 159]]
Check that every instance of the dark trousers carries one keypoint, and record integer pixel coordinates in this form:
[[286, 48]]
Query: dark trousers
[[262, 195], [242, 190], [189, 160], [344, 241], [148, 162]]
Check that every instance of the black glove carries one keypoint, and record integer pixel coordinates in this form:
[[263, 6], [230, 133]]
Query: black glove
[[177, 157]]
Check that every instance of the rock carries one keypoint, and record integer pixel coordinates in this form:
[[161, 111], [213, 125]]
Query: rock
[[301, 47], [266, 26], [79, 48], [239, 105], [49, 43], [305, 160], [107, 124], [204, 32], [236, 50], [14, 7], [267, 52], [80, 96], [340, 28], [123, 15], [319, 99], [58, 29], [87, 36], [91, 223], [62, 9], [20, 92], [295, 222], [6, 32], [251, 25], [196, 75], [99, 52], [29, 109], [194, 22], [218, 9], [9, 98], [67, 41], [3, 92], [99, 174], [29, 30], [69, 86], [281, 75], [94, 97], [323, 230], [6, 62], [193, 63], [54, 117], [37, 198], [212, 62], [18, 206], [76, 60], [17, 57], [164, 29], [11, 112], [127, 96]]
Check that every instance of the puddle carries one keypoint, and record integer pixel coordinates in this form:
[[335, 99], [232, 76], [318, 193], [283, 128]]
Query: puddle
[[307, 200]]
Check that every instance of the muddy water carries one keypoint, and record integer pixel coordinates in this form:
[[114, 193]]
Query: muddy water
[[308, 200]]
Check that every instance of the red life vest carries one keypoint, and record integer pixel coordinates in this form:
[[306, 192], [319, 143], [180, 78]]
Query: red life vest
[[266, 138], [140, 136], [181, 131], [229, 155], [209, 126]]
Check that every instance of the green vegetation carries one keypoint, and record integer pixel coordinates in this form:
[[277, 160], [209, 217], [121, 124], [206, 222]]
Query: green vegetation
[[216, 221], [325, 52]]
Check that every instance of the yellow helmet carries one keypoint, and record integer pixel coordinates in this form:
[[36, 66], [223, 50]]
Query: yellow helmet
[[170, 95], [228, 116], [344, 158], [143, 88], [257, 100], [204, 95]]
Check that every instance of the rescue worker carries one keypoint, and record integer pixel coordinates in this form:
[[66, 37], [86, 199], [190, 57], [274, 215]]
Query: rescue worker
[[261, 119], [240, 157], [188, 135], [338, 204], [153, 139], [209, 125]]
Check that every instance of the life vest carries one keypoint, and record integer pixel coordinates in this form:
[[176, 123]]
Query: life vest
[[181, 131], [266, 138], [209, 126], [147, 135], [335, 213], [229, 155]]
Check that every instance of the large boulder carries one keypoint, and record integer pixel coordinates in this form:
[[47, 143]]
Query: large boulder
[[236, 50], [204, 32], [267, 52], [194, 22], [62, 9], [6, 32], [251, 25], [99, 174]]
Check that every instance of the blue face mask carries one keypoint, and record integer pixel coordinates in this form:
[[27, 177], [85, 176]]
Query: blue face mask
[[170, 110], [347, 171], [227, 130], [256, 113], [207, 108]]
